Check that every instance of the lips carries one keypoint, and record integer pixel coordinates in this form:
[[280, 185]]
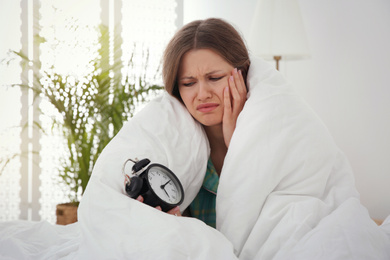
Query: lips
[[207, 107]]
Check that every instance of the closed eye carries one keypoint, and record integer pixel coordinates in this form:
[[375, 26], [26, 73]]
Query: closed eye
[[188, 84], [216, 78]]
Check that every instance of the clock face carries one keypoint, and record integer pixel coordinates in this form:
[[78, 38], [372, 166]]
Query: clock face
[[165, 185]]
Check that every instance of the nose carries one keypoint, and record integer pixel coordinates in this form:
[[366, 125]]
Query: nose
[[204, 91]]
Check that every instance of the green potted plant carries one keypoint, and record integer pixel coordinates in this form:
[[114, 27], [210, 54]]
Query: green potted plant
[[92, 110]]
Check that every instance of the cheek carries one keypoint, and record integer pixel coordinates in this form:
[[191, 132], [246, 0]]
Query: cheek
[[183, 94], [187, 96]]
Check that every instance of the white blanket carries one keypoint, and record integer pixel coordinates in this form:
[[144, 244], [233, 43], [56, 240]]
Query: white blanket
[[298, 200], [285, 192]]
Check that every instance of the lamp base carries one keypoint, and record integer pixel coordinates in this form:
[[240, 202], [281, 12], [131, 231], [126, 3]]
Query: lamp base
[[277, 59]]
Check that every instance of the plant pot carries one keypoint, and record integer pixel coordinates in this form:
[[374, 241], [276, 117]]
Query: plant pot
[[66, 213]]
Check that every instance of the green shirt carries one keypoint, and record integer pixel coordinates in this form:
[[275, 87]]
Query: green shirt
[[203, 206]]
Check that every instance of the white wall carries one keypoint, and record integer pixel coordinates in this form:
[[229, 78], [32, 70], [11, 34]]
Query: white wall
[[346, 80]]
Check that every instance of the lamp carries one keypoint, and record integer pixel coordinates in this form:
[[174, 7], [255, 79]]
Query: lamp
[[277, 31]]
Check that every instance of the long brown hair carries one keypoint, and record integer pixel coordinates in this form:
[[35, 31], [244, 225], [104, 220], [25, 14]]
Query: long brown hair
[[214, 34]]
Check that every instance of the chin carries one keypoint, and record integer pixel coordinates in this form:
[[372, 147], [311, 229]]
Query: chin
[[209, 119], [210, 122]]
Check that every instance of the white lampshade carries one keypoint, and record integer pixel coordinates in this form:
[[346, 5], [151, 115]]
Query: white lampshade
[[277, 30]]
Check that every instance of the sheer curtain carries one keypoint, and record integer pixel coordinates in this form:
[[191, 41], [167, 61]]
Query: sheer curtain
[[62, 36]]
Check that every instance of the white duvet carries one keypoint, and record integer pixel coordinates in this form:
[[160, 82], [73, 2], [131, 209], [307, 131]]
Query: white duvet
[[286, 191]]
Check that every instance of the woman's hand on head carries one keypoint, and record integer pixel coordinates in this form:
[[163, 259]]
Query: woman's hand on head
[[234, 100]]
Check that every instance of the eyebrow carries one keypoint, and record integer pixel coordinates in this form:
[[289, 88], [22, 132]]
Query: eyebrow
[[207, 74], [213, 72]]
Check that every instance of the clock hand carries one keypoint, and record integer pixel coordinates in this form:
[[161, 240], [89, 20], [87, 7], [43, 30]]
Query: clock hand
[[166, 193], [163, 187]]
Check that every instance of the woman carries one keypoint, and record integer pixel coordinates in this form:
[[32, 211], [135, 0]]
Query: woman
[[205, 67]]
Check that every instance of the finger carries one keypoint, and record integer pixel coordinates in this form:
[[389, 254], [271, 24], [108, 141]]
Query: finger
[[140, 198], [236, 77], [227, 104], [175, 211], [233, 89], [237, 97], [239, 81], [233, 84], [242, 83], [228, 120]]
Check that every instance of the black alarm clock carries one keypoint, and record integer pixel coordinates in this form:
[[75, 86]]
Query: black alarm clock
[[157, 184]]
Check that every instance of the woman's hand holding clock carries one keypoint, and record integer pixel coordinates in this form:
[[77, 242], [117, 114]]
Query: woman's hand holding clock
[[175, 211]]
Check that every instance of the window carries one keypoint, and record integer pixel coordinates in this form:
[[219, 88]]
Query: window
[[29, 186]]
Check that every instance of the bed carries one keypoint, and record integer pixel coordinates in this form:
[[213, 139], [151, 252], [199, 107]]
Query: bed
[[286, 191]]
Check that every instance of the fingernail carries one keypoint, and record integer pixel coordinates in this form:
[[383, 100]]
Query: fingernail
[[159, 208], [231, 78], [139, 198], [240, 72], [235, 70]]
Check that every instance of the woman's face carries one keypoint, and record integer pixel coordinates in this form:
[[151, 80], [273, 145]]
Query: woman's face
[[202, 77]]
